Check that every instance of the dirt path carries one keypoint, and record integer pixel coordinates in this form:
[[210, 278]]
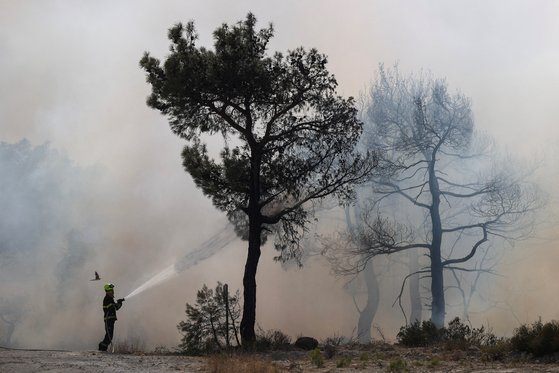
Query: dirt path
[[14, 361]]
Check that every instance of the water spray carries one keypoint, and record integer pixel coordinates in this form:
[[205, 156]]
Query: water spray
[[205, 250], [164, 275]]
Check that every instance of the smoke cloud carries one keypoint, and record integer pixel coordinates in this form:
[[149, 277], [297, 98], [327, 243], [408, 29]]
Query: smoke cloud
[[97, 184]]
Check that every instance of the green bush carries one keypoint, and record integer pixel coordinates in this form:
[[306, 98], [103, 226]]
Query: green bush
[[206, 329], [419, 334], [343, 362], [456, 330], [456, 336], [316, 358], [524, 334], [538, 339]]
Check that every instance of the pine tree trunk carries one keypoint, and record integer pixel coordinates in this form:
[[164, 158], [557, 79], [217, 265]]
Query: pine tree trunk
[[437, 281], [415, 295], [437, 288], [248, 336], [367, 316], [248, 321]]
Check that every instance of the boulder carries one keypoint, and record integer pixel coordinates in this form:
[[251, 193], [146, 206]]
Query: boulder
[[306, 343]]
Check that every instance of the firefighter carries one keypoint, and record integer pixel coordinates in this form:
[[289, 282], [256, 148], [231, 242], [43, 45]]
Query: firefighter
[[109, 314]]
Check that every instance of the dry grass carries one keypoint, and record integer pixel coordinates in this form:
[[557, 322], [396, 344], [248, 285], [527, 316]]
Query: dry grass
[[130, 346], [243, 363]]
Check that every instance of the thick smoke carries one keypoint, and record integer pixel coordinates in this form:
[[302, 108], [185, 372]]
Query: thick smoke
[[108, 192], [47, 237]]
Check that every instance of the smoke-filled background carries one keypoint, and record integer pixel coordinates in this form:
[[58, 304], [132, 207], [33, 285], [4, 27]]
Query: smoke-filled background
[[91, 178]]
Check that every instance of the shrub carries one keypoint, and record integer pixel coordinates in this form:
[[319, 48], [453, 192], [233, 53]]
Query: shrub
[[162, 350], [272, 340], [329, 351], [538, 339], [481, 337], [418, 334], [398, 365], [316, 358], [547, 341], [456, 330], [336, 340], [524, 334], [205, 329], [343, 362], [456, 336], [496, 351]]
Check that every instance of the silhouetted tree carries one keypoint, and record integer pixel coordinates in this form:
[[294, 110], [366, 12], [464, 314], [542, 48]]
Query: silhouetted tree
[[435, 163], [289, 139], [208, 325]]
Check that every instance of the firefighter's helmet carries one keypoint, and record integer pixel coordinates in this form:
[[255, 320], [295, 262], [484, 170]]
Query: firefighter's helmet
[[109, 287]]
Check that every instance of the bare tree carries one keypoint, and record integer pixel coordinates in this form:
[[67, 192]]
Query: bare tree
[[368, 312], [416, 305], [365, 274], [447, 176]]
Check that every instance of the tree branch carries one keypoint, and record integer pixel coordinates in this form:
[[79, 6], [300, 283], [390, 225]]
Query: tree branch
[[472, 251]]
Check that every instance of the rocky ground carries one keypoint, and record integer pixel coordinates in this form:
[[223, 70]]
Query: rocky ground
[[388, 359]]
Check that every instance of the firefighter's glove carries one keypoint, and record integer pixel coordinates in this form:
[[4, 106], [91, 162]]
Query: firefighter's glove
[[119, 301]]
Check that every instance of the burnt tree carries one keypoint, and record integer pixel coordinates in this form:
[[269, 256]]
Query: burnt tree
[[448, 177]]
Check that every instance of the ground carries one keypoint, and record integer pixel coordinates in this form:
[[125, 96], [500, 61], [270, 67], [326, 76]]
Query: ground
[[15, 361], [391, 359]]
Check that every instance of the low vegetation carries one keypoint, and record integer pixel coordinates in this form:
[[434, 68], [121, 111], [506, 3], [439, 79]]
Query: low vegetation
[[212, 323], [343, 362], [129, 346], [421, 346], [398, 365], [272, 340], [236, 364], [456, 336], [316, 358], [538, 339], [528, 341]]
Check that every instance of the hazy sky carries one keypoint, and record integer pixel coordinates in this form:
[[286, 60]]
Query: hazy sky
[[70, 68], [69, 75]]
